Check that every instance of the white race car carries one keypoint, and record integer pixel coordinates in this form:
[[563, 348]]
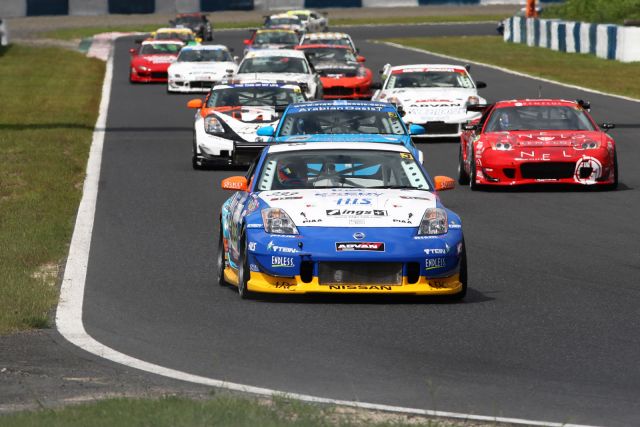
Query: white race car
[[342, 39], [224, 131], [434, 96], [199, 68], [280, 66], [284, 22], [312, 21]]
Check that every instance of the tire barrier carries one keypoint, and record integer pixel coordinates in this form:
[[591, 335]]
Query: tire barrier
[[606, 41]]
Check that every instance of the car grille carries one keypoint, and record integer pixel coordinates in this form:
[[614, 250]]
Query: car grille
[[202, 85], [357, 273], [441, 128], [158, 75], [338, 91], [547, 170], [328, 72]]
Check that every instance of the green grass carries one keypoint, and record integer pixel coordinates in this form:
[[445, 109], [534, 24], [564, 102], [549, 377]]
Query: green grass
[[219, 411], [578, 69], [49, 101], [601, 11], [84, 32]]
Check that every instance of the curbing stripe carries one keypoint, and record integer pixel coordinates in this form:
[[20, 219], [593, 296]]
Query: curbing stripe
[[506, 70], [69, 311]]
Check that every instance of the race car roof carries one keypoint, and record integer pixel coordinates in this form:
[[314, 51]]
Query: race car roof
[[326, 36], [299, 12], [255, 84], [274, 30], [536, 103], [321, 45], [174, 30], [283, 15], [275, 52], [341, 105], [427, 68], [206, 47], [167, 41], [304, 146]]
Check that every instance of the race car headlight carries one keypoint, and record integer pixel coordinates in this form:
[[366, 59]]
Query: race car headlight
[[473, 100], [276, 221], [212, 125], [434, 221], [362, 72], [503, 146], [143, 68], [588, 145]]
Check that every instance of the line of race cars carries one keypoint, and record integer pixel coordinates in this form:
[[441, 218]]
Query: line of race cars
[[336, 198]]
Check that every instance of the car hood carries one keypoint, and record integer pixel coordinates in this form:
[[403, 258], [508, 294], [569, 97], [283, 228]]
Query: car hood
[[544, 138], [389, 139], [273, 77], [352, 207]]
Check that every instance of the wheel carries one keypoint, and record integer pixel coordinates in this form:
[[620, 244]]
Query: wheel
[[463, 176], [614, 185], [463, 275], [472, 171], [220, 261], [243, 270]]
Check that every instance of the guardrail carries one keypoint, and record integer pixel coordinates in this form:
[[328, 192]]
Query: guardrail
[[603, 40]]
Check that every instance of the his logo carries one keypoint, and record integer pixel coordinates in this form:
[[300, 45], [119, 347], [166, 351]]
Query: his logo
[[358, 235]]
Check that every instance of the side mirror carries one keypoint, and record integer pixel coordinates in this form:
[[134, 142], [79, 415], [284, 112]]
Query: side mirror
[[467, 67], [481, 85], [417, 130], [235, 183], [266, 131], [361, 58], [133, 51], [376, 86], [195, 103], [230, 71], [247, 41], [607, 126], [401, 111], [469, 127], [236, 58], [444, 183]]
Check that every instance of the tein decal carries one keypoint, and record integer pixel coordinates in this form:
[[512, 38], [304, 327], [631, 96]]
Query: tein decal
[[359, 246]]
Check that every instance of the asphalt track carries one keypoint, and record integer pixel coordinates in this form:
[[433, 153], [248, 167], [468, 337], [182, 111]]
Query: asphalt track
[[549, 331]]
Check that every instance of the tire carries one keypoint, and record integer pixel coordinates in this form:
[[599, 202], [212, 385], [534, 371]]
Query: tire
[[614, 185], [243, 270], [220, 261], [194, 157], [463, 176], [463, 275], [472, 172]]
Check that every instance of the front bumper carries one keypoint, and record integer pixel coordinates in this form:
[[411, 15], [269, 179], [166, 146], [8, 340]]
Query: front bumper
[[151, 76], [190, 86], [346, 88], [552, 166], [311, 262]]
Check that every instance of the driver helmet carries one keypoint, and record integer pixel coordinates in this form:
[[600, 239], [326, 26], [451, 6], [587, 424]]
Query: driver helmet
[[290, 174]]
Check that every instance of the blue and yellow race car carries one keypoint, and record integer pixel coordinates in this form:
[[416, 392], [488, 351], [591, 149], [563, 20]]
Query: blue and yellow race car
[[340, 217], [341, 120]]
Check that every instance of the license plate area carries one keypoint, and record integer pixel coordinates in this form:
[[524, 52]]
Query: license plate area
[[360, 273]]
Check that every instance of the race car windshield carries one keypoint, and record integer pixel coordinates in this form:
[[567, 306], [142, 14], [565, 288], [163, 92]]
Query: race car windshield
[[276, 37], [327, 54], [189, 20], [341, 169], [254, 96], [335, 121], [159, 49], [274, 64], [331, 41], [302, 16], [429, 79], [178, 35], [544, 117], [208, 55], [283, 21]]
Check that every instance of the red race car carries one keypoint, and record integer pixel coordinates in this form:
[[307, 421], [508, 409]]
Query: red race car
[[533, 141], [150, 62], [341, 71]]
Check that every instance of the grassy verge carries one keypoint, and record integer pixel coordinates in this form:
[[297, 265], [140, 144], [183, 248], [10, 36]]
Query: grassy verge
[[604, 11], [219, 411], [50, 99], [583, 70], [83, 32]]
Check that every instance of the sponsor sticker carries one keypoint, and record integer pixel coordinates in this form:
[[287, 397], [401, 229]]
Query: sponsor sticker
[[275, 248], [281, 261], [432, 263], [251, 246], [406, 156], [356, 213], [359, 246]]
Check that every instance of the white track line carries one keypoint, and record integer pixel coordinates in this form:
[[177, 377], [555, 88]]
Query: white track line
[[504, 70], [69, 313]]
